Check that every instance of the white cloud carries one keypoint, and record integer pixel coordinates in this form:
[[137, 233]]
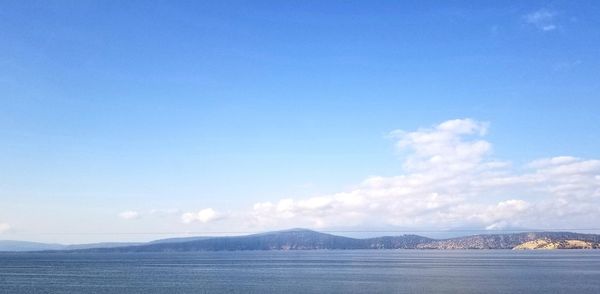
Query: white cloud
[[542, 19], [203, 216], [129, 214], [4, 227], [450, 180], [444, 145]]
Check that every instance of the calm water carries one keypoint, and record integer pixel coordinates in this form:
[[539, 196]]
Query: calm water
[[364, 271]]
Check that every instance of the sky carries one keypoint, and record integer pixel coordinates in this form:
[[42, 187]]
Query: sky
[[139, 120]]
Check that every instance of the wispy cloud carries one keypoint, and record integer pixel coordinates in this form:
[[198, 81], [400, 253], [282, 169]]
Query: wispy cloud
[[543, 19], [4, 227], [129, 215]]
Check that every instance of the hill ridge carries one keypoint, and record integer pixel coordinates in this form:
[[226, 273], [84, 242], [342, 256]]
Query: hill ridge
[[306, 239]]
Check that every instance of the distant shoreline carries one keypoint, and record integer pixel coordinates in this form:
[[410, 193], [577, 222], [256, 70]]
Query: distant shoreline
[[303, 239]]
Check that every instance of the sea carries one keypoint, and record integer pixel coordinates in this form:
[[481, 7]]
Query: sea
[[320, 271]]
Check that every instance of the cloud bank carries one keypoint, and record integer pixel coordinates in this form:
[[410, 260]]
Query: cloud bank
[[450, 180]]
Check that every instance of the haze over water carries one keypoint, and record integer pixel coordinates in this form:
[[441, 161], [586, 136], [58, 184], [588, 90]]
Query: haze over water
[[324, 271]]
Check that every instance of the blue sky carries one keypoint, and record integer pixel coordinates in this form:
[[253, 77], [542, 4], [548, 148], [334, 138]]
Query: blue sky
[[165, 108]]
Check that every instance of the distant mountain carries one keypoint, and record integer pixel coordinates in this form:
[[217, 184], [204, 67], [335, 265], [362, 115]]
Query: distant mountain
[[302, 239], [100, 245], [9, 245], [177, 240], [20, 246], [295, 239], [396, 242], [503, 241]]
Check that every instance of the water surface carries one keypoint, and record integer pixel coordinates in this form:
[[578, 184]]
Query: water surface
[[330, 271]]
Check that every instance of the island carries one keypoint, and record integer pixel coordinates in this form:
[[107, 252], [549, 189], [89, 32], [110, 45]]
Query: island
[[303, 239]]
